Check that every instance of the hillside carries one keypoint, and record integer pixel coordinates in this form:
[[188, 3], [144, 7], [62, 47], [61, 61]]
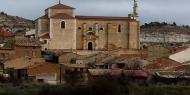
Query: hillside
[[163, 24], [15, 23], [162, 32]]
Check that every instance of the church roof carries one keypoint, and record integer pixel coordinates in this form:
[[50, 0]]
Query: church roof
[[62, 16], [103, 17], [44, 17], [60, 6]]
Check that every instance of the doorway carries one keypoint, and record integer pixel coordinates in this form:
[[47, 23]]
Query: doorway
[[90, 46]]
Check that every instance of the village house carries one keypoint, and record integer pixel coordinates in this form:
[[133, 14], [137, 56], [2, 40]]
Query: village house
[[5, 36], [26, 52], [47, 73]]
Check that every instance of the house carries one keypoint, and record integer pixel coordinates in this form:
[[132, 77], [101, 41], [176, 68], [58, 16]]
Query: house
[[47, 73], [5, 37], [26, 52]]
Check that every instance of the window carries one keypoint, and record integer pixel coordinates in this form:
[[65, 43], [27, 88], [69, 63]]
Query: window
[[63, 24], [79, 28], [45, 41], [101, 28], [81, 69], [90, 29], [119, 28], [26, 53]]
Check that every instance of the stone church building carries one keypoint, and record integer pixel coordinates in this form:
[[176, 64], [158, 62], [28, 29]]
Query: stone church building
[[61, 28]]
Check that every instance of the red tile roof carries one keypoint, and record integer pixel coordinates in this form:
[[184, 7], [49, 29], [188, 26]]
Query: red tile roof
[[62, 16], [162, 64], [44, 17], [60, 6], [103, 17], [6, 34]]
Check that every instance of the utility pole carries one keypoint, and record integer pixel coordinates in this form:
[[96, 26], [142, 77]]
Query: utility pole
[[60, 73]]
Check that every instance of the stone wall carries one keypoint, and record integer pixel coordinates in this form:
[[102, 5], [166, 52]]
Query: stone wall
[[43, 26], [106, 34], [30, 52], [52, 12], [62, 38]]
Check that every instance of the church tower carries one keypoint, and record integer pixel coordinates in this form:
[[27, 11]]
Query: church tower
[[135, 7], [134, 31], [134, 14]]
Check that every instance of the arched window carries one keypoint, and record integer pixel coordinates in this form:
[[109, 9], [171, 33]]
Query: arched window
[[63, 24]]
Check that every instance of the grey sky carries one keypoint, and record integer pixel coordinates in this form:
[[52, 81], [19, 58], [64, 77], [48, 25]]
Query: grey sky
[[150, 10]]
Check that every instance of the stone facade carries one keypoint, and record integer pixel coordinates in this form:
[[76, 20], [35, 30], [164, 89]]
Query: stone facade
[[68, 31]]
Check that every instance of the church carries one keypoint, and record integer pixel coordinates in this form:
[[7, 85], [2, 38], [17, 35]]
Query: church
[[61, 28]]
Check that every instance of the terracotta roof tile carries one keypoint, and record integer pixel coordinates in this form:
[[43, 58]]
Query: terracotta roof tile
[[44, 17], [60, 6], [6, 34], [44, 68], [27, 42], [62, 16], [162, 64], [21, 63], [45, 36], [103, 17]]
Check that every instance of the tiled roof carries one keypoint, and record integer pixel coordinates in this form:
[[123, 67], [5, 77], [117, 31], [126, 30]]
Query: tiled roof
[[83, 57], [103, 17], [99, 72], [8, 44], [44, 17], [45, 36], [59, 52], [6, 34], [21, 63], [183, 67], [60, 6], [162, 64], [62, 16], [46, 68], [76, 65], [27, 42]]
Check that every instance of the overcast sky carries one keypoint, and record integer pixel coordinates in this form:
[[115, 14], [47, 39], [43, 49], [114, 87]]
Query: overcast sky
[[149, 10]]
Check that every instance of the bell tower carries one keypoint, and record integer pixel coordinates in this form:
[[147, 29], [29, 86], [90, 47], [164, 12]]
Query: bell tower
[[134, 14], [135, 8]]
